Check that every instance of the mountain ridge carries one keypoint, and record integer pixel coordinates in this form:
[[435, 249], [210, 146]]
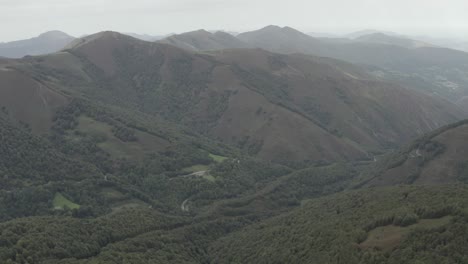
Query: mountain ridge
[[45, 43], [212, 92]]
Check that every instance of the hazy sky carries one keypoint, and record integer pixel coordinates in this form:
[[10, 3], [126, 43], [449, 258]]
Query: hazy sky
[[27, 18]]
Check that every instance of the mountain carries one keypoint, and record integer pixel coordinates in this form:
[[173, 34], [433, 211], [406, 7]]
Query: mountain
[[45, 43], [250, 98], [358, 34], [457, 44], [380, 38], [437, 158], [144, 37], [432, 70], [323, 35], [202, 40], [276, 107], [120, 150], [280, 40], [208, 95]]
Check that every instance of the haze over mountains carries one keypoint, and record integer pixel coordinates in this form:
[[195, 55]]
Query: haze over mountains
[[204, 40], [205, 147], [251, 98], [412, 63], [45, 43]]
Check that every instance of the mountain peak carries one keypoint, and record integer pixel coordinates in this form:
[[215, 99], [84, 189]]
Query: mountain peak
[[54, 34], [277, 30], [271, 27], [384, 38], [45, 43], [375, 35], [99, 48], [101, 36], [105, 34], [203, 40], [361, 33], [204, 31]]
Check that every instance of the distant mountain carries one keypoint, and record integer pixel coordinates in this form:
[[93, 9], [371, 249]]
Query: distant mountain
[[365, 32], [45, 43], [375, 49], [145, 37], [202, 40], [323, 35], [433, 70], [445, 42], [381, 38], [281, 40]]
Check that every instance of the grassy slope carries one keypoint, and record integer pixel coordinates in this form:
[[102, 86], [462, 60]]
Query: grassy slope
[[217, 158], [60, 202]]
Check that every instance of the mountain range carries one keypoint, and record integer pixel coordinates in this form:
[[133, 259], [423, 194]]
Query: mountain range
[[277, 107], [411, 63], [271, 146]]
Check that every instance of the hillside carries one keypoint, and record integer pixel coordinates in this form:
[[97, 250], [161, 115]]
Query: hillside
[[432, 70], [437, 158], [118, 150], [381, 38], [27, 100], [276, 107], [393, 225], [202, 40], [45, 43]]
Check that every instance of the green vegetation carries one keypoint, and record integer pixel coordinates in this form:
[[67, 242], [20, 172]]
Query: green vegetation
[[334, 229], [127, 172], [217, 158], [195, 168], [209, 177], [60, 202], [387, 238]]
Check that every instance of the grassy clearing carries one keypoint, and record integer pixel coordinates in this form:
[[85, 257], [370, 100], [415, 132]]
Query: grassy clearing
[[217, 158], [112, 194], [200, 171], [195, 168], [60, 202], [132, 203], [208, 177]]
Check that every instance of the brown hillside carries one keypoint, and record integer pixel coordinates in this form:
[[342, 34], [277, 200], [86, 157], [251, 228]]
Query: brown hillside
[[278, 107], [28, 100], [342, 98]]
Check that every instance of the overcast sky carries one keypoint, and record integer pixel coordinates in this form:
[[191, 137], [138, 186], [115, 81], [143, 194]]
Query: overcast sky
[[27, 18]]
